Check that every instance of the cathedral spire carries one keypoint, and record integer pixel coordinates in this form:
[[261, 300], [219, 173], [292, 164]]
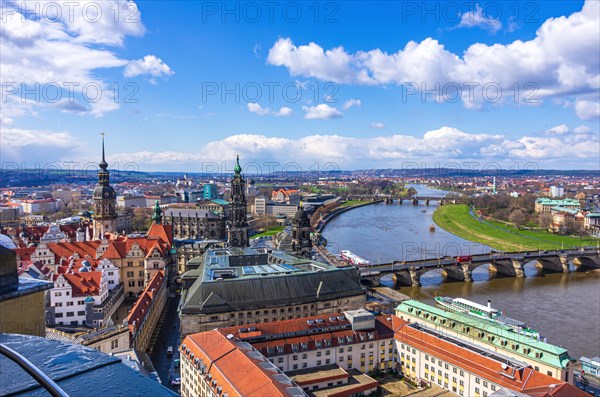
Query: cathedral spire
[[103, 164]]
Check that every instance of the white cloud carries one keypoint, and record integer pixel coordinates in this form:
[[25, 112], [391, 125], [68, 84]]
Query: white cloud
[[558, 130], [322, 111], [149, 65], [557, 62], [582, 129], [20, 145], [351, 102], [284, 111], [256, 108], [587, 110], [377, 125], [433, 148], [475, 18], [68, 52]]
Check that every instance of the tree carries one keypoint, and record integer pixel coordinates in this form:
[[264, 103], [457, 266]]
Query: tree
[[545, 221], [517, 218], [142, 219]]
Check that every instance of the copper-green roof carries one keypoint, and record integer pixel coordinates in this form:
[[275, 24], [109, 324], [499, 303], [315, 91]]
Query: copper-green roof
[[553, 355]]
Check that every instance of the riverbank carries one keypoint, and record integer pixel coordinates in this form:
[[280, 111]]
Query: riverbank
[[341, 209], [458, 220]]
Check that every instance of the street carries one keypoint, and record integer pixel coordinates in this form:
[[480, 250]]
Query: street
[[168, 336], [587, 383]]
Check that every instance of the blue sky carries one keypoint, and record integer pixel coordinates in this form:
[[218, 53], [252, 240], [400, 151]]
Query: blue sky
[[329, 84]]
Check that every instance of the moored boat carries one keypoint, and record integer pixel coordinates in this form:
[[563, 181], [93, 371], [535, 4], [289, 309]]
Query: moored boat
[[475, 309]]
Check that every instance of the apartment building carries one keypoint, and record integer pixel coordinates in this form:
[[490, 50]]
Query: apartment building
[[144, 315], [356, 339], [84, 293], [549, 359], [215, 365], [431, 357]]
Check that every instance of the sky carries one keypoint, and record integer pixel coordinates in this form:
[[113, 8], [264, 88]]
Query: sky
[[187, 85]]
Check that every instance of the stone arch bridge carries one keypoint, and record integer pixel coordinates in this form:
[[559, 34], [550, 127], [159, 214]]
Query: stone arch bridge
[[505, 263]]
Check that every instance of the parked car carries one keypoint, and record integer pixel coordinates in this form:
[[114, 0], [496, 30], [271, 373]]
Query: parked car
[[175, 381], [170, 351]]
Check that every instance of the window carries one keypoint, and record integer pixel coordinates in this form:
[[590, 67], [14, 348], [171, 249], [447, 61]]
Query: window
[[549, 373], [446, 366], [294, 357], [81, 313], [141, 273], [70, 303], [477, 380], [454, 370], [70, 314], [58, 315], [318, 354], [129, 264], [476, 390], [318, 362], [304, 356], [295, 366], [280, 360], [485, 383]]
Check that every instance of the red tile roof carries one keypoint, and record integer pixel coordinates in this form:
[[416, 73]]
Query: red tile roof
[[84, 284], [231, 367], [162, 232], [383, 330], [142, 305]]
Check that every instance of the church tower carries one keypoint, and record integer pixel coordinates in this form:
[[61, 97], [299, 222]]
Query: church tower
[[301, 243], [237, 228], [105, 200]]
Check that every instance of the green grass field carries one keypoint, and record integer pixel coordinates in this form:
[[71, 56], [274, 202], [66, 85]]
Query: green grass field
[[270, 231], [457, 220]]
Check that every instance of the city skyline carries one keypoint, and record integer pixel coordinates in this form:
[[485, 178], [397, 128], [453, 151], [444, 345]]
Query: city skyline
[[324, 85]]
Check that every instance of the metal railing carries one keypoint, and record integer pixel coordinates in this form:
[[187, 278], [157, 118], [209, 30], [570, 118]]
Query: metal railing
[[34, 371]]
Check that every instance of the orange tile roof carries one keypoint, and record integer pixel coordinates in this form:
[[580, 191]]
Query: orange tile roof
[[383, 330], [84, 284], [162, 231], [142, 305], [231, 367], [523, 379]]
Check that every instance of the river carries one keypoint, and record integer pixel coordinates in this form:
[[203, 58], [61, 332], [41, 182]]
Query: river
[[563, 307]]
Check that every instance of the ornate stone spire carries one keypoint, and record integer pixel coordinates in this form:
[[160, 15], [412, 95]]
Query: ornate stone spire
[[157, 216], [237, 169]]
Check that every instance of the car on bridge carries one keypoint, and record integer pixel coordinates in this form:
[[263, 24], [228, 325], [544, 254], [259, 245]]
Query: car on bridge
[[464, 258]]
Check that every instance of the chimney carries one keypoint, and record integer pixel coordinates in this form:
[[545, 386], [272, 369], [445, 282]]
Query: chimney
[[489, 304]]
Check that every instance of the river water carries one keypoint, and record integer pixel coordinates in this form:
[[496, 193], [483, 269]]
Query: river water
[[563, 307]]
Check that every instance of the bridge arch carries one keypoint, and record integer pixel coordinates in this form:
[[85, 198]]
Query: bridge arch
[[552, 265], [583, 263]]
